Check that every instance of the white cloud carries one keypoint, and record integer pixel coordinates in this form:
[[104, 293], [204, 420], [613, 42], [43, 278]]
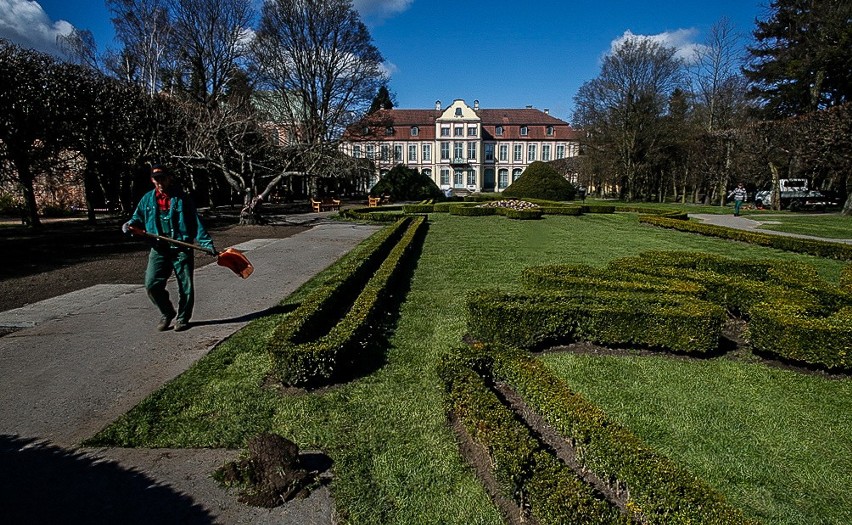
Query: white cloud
[[682, 40], [25, 23], [379, 10]]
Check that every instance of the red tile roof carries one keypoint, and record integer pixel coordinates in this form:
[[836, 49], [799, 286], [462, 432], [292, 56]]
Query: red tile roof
[[402, 120]]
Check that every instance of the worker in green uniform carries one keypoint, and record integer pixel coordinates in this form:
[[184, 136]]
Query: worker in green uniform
[[168, 211]]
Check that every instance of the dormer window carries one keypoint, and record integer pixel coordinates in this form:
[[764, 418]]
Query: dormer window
[[458, 112], [389, 131], [549, 131], [499, 131], [415, 131], [525, 131]]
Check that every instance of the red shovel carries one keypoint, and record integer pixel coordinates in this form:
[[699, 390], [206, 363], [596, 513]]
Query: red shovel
[[229, 258]]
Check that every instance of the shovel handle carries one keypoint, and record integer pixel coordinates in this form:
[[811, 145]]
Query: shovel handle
[[142, 233]]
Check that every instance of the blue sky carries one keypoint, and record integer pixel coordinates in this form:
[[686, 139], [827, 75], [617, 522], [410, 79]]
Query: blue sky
[[504, 54]]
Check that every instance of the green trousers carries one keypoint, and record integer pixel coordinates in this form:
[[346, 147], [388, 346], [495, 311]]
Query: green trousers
[[161, 264]]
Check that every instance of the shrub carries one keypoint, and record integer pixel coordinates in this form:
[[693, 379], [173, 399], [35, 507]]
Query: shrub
[[418, 208], [471, 211], [540, 181], [405, 184]]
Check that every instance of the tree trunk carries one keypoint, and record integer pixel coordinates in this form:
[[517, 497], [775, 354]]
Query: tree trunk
[[776, 192], [25, 179], [847, 206]]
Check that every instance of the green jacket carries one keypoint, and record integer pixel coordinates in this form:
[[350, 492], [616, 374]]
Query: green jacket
[[185, 224]]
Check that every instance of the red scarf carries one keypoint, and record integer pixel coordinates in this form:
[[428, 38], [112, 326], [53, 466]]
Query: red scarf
[[163, 200]]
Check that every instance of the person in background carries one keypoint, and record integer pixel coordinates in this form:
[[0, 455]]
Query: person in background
[[739, 195], [168, 211]]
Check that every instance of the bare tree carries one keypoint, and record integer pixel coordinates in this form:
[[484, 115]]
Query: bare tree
[[621, 109], [79, 46], [318, 59], [209, 42], [143, 27]]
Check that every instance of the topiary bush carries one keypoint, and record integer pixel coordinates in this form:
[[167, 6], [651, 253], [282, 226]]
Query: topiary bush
[[541, 181], [405, 184]]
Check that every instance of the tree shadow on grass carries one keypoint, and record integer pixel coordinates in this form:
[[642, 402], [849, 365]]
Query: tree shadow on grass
[[42, 483]]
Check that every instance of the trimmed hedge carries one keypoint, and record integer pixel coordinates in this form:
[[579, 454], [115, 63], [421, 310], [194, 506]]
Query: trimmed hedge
[[527, 214], [381, 214], [788, 330], [418, 208], [655, 490], [598, 209], [561, 210], [525, 470], [311, 343], [472, 211], [846, 278], [828, 249], [672, 322]]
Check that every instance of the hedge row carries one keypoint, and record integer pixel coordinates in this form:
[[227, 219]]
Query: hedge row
[[792, 312], [828, 249], [526, 471], [309, 346], [662, 212], [669, 321], [383, 214], [654, 489]]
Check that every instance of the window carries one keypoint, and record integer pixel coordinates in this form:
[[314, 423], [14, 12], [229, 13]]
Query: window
[[458, 178], [519, 153], [412, 152], [445, 131], [397, 153], [471, 150], [356, 151], [471, 178], [531, 152], [503, 178], [458, 112], [458, 131], [498, 131], [427, 172], [445, 177], [471, 131], [371, 151], [415, 131], [504, 152], [445, 151], [385, 152], [549, 131], [516, 174], [560, 151], [458, 150], [525, 131], [389, 131], [489, 152], [545, 152], [427, 153]]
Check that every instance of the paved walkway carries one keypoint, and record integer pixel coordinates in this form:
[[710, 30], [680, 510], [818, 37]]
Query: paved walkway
[[80, 361], [748, 223]]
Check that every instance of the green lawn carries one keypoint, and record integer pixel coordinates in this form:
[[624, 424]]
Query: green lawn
[[395, 459], [829, 225]]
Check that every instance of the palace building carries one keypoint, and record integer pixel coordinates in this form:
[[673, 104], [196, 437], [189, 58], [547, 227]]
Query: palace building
[[463, 148]]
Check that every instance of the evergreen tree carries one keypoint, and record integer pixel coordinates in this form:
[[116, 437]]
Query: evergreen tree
[[382, 100], [802, 60]]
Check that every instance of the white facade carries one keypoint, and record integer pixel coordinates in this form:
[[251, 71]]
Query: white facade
[[465, 148]]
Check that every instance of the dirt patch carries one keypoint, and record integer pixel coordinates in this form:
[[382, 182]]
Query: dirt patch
[[67, 256]]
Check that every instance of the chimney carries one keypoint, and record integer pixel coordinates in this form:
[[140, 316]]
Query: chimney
[[476, 105], [529, 107], [546, 111], [438, 105]]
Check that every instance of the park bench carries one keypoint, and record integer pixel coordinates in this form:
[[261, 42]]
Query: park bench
[[325, 204]]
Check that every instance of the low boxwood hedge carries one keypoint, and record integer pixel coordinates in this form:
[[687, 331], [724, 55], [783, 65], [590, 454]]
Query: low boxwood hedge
[[380, 214], [526, 471], [789, 330], [673, 322], [309, 346], [418, 208], [472, 211], [521, 215], [652, 488], [832, 250]]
